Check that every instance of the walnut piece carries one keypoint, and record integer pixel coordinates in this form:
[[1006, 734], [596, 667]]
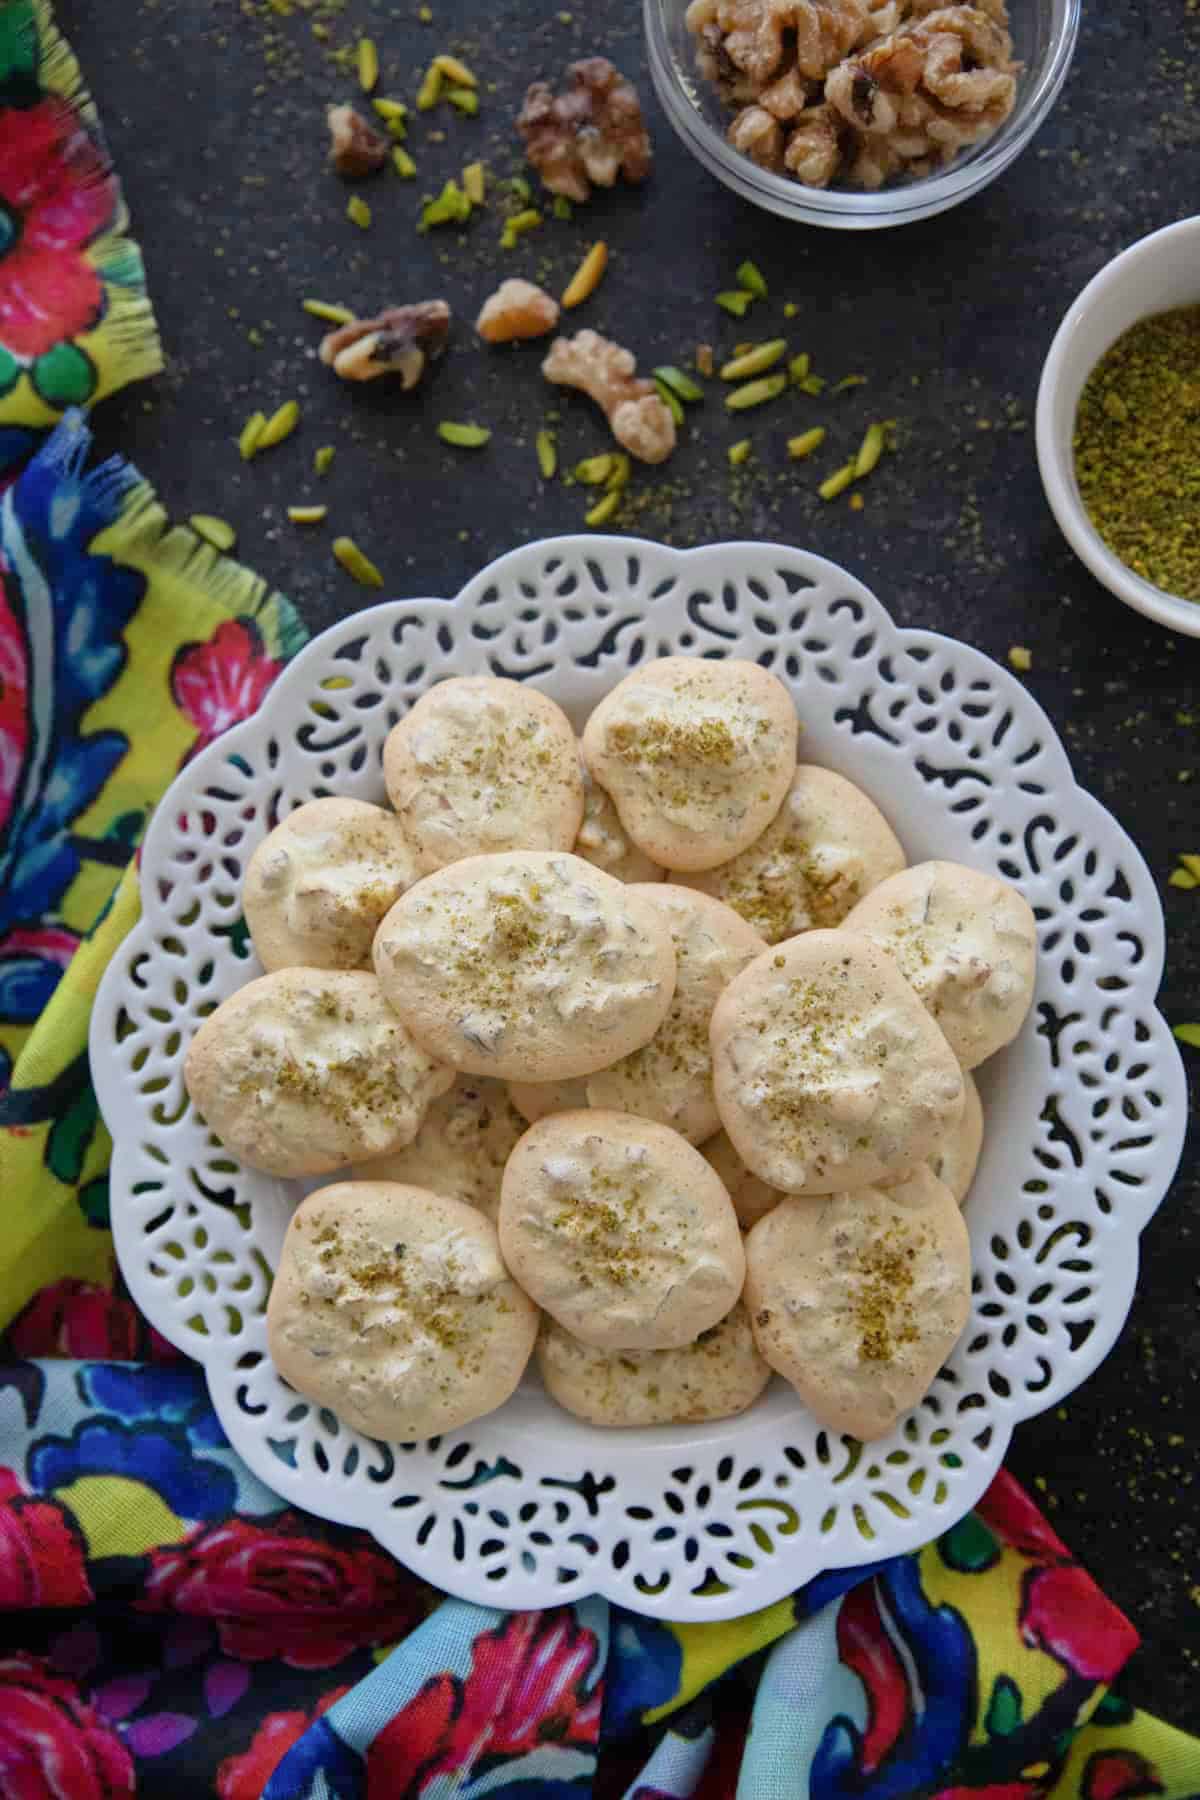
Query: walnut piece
[[517, 309], [588, 134], [857, 91], [637, 418], [814, 149], [759, 136], [355, 148], [938, 84], [401, 342]]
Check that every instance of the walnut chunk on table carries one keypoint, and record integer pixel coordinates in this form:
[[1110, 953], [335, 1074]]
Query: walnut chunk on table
[[517, 309], [588, 134], [355, 148], [401, 341], [637, 417]]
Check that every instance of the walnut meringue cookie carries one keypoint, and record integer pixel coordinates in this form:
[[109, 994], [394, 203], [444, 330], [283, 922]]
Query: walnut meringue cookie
[[529, 966], [829, 1074], [697, 754], [304, 1070], [465, 1140], [620, 1231], [717, 1376], [826, 847], [966, 942], [480, 765], [752, 1198], [956, 1158], [857, 1299], [392, 1306], [603, 840], [318, 885], [534, 1100], [670, 1078]]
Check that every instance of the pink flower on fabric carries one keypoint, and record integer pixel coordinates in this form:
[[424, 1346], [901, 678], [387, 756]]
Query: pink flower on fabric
[[218, 683], [526, 1687], [42, 1560], [1011, 1515], [53, 1744], [56, 195], [81, 1319], [1064, 1613], [276, 1591]]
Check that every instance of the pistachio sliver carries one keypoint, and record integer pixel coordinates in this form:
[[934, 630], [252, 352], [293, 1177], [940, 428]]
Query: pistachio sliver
[[603, 510], [307, 515], [755, 393], [356, 564], [280, 425], [368, 64], [751, 279], [593, 470], [735, 301], [463, 437], [250, 435], [739, 453], [678, 382], [324, 309], [837, 483], [671, 401], [547, 454], [806, 443], [755, 361], [870, 451]]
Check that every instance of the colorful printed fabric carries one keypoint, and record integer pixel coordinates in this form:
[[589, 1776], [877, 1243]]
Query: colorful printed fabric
[[75, 320], [175, 1631], [170, 1628], [106, 617]]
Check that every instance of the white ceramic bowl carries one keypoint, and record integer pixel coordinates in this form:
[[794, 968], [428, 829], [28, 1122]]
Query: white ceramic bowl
[[1160, 272], [1044, 34]]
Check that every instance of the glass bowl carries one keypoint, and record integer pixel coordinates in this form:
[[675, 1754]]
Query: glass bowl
[[1044, 34]]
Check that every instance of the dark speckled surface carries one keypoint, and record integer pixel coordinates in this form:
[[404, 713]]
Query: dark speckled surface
[[214, 111]]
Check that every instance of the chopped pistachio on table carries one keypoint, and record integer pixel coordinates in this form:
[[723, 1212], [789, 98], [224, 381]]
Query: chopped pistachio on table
[[358, 212], [322, 309], [368, 64], [1021, 658], [250, 434], [547, 454], [403, 163], [755, 361], [356, 564], [670, 400], [464, 437], [307, 515], [680, 384], [279, 426], [750, 278], [1189, 1035], [756, 393], [740, 452]]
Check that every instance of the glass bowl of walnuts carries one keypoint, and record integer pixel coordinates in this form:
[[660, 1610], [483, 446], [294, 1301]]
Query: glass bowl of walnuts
[[858, 114]]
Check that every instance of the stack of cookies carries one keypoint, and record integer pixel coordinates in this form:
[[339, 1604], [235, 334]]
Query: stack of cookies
[[647, 1055]]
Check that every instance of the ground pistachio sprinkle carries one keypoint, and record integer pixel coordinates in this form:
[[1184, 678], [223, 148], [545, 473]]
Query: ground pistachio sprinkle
[[1136, 436]]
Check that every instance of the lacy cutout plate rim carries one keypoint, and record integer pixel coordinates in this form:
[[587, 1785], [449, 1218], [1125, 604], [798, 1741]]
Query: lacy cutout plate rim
[[552, 1509]]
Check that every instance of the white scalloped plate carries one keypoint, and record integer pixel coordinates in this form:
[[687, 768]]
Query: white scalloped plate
[[1085, 1112]]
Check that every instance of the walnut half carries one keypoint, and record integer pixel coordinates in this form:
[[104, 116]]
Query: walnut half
[[588, 134], [638, 419], [355, 148], [400, 342]]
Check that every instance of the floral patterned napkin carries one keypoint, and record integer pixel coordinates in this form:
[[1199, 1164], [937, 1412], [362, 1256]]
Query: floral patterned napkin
[[75, 320]]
